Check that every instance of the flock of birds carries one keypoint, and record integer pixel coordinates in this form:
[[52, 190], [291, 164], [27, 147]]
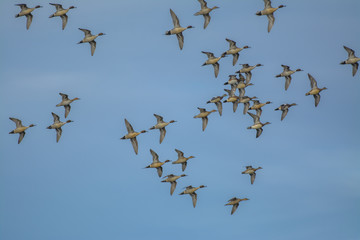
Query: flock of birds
[[236, 82]]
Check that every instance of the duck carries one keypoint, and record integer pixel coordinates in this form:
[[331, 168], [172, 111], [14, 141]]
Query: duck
[[132, 135], [257, 106], [205, 11], [217, 101], [232, 97], [90, 39], [204, 116], [242, 85], [269, 12], [287, 74], [191, 191], [57, 126], [252, 172], [181, 159], [25, 11], [171, 178], [315, 91], [234, 50], [156, 163], [66, 103], [232, 80], [247, 70], [257, 124], [212, 60], [246, 101], [235, 203], [61, 12], [284, 108], [352, 59], [20, 129], [161, 126], [177, 30]]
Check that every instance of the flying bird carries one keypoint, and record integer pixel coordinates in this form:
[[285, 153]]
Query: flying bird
[[257, 124], [61, 12], [191, 191], [177, 29], [287, 74], [315, 91], [89, 38], [252, 172], [284, 108], [234, 50], [132, 135], [352, 59], [247, 70], [204, 116], [25, 11], [212, 60], [66, 103], [161, 126], [205, 11], [171, 178], [156, 163], [217, 101], [181, 159], [269, 12], [57, 126], [235, 203], [20, 129]]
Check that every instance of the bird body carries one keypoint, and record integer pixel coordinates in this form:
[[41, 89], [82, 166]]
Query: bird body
[[132, 135], [314, 90], [352, 59]]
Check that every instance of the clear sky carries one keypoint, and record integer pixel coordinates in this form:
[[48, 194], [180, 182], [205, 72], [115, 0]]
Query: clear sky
[[92, 186]]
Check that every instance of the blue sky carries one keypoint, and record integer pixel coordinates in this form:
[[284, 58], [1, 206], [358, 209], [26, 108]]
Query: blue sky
[[91, 185]]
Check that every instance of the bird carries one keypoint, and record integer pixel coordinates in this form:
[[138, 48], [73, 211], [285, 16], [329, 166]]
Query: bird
[[252, 172], [204, 116], [205, 11], [191, 191], [20, 129], [66, 103], [241, 85], [213, 61], [57, 126], [177, 29], [217, 101], [25, 11], [234, 50], [90, 39], [257, 106], [232, 97], [61, 12], [257, 124], [235, 203], [352, 59], [132, 135], [269, 12], [315, 91], [284, 108], [246, 101], [247, 70], [171, 178], [232, 80], [181, 159], [156, 163], [161, 126], [287, 74]]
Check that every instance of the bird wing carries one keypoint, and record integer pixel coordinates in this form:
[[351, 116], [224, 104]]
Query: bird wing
[[86, 32], [351, 52], [159, 171], [134, 144], [232, 44], [267, 4], [258, 132], [235, 58], [203, 4], [180, 153], [235, 206], [183, 166], [252, 177], [194, 198], [313, 82], [284, 113], [128, 126], [317, 99], [287, 82], [58, 134], [93, 47], [204, 123], [246, 107], [64, 20], [22, 6], [21, 136], [180, 38], [202, 110], [67, 110], [29, 18], [57, 6], [162, 134], [286, 68], [17, 122], [155, 156], [208, 54], [219, 107], [271, 19], [64, 96], [172, 188], [207, 19], [216, 69], [159, 118], [355, 67], [255, 117], [56, 118], [175, 19]]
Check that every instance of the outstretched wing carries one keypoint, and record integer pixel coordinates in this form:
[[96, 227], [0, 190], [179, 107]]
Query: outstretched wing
[[313, 82], [350, 52], [271, 19], [175, 19], [64, 96], [159, 118], [235, 206], [172, 188], [267, 4], [194, 198], [128, 126], [162, 134], [57, 6], [203, 4], [56, 118], [155, 156], [17, 122], [207, 19], [64, 20], [86, 32], [180, 38], [208, 54], [180, 153], [232, 44]]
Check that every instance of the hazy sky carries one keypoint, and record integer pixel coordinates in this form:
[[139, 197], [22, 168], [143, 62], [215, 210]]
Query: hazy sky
[[92, 186]]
